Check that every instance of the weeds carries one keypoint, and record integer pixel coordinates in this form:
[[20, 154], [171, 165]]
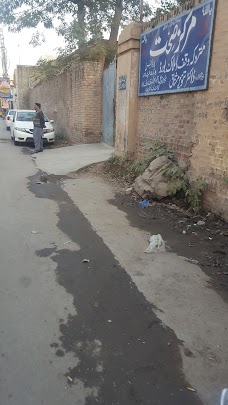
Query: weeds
[[124, 169], [135, 169], [225, 179], [194, 194], [179, 180], [128, 171], [156, 149]]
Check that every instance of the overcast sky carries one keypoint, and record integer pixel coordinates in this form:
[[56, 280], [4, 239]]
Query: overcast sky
[[21, 52]]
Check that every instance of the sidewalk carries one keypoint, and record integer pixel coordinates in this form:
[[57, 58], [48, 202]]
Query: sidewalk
[[69, 159]]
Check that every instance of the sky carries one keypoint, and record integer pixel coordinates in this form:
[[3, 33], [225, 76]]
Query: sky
[[20, 52]]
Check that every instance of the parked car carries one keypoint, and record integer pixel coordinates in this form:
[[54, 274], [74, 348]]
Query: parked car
[[9, 118], [22, 128]]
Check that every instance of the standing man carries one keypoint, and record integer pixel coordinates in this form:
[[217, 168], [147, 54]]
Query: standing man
[[39, 125]]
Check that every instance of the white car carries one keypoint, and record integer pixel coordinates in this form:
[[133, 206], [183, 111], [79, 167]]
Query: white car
[[9, 118], [22, 128]]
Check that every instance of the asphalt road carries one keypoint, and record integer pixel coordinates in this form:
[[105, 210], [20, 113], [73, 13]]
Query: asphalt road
[[72, 332]]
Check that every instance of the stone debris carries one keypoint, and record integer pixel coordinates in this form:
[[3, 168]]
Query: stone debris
[[153, 183]]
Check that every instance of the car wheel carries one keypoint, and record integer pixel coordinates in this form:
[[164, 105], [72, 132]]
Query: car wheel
[[15, 142]]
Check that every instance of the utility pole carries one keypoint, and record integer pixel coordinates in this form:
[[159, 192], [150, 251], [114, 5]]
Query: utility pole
[[3, 54]]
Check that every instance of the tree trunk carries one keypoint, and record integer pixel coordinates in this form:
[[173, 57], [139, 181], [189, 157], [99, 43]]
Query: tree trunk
[[116, 22], [81, 22]]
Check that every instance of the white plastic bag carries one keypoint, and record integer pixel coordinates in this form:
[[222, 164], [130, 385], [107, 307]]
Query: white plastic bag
[[157, 244]]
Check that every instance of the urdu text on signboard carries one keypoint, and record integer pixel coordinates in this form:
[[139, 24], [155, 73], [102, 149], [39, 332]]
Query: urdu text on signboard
[[175, 56]]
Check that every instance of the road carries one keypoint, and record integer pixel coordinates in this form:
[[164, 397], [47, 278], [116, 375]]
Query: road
[[73, 332]]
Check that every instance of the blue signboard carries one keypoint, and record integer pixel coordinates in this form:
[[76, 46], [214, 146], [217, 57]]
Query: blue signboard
[[174, 56]]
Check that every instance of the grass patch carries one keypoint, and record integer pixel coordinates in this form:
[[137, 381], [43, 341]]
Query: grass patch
[[125, 170]]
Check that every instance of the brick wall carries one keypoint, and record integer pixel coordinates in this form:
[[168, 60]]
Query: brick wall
[[210, 140], [73, 100], [194, 125], [168, 119], [23, 82]]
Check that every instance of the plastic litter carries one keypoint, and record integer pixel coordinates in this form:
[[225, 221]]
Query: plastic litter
[[157, 244], [224, 397], [144, 203], [128, 190]]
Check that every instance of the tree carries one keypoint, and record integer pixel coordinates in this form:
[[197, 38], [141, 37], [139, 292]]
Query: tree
[[76, 20], [166, 6]]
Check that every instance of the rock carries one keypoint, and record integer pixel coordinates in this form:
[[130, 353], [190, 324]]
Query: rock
[[183, 165], [153, 183], [200, 223]]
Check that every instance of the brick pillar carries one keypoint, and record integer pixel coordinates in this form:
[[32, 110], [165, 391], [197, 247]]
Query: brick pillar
[[127, 90]]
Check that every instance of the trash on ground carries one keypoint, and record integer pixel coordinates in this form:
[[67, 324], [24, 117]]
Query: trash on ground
[[144, 203], [65, 243], [157, 244], [128, 190], [69, 378], [85, 261], [200, 223], [191, 389], [35, 232], [184, 232], [191, 261], [38, 182], [109, 321]]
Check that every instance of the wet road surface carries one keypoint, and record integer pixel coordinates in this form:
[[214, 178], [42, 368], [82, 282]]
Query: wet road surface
[[72, 332]]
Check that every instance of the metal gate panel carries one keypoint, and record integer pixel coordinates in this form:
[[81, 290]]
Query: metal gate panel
[[108, 104]]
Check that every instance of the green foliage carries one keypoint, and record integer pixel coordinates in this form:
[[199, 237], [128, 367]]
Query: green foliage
[[46, 69], [155, 149], [126, 170], [136, 168], [120, 168], [225, 179], [167, 6], [178, 179], [116, 166], [78, 21], [129, 170], [194, 194], [95, 51]]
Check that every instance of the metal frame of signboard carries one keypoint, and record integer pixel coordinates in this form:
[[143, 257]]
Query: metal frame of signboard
[[210, 47]]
